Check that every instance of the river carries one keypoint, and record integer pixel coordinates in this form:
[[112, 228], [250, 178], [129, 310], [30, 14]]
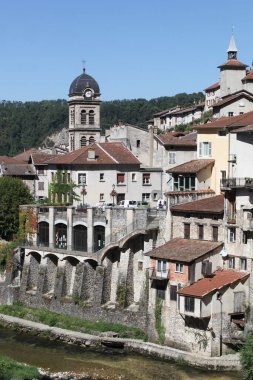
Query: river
[[111, 364]]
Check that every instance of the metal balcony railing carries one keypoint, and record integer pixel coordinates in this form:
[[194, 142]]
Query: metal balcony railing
[[156, 274], [230, 183]]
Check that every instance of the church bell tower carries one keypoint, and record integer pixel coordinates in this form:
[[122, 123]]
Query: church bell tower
[[84, 112]]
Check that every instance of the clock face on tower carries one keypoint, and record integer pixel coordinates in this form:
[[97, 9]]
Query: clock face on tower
[[88, 94]]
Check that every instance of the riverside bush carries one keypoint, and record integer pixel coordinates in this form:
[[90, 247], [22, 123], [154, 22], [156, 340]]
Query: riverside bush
[[10, 369], [246, 357]]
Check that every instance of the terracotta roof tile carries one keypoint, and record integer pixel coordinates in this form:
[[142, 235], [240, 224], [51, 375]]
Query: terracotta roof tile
[[184, 250], [189, 192], [238, 95], [233, 63], [213, 87], [178, 139], [217, 281], [193, 166], [248, 128], [24, 156], [206, 205], [105, 154], [248, 76], [232, 121], [42, 157]]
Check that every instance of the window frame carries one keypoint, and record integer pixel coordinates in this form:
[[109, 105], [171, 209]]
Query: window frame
[[79, 181], [180, 269], [189, 304]]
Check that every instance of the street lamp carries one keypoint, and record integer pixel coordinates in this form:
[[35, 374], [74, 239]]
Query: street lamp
[[219, 298], [113, 193]]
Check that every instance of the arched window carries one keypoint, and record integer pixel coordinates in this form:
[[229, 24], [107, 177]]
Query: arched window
[[91, 117], [83, 141], [83, 117], [91, 140], [72, 116]]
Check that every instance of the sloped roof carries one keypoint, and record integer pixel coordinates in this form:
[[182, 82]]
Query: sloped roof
[[213, 86], [237, 95], [232, 121], [206, 205], [183, 250], [193, 166], [24, 156], [249, 76], [233, 63], [42, 158], [217, 281], [248, 128], [18, 170], [105, 154], [178, 139]]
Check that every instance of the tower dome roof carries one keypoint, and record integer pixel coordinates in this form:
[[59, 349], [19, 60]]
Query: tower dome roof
[[82, 82]]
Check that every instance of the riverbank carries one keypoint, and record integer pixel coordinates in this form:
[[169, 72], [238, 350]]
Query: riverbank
[[224, 363]]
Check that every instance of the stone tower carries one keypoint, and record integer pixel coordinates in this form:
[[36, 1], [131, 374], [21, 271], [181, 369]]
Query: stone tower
[[231, 72], [84, 112]]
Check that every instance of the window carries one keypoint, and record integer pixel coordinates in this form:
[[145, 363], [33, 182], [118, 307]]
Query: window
[[146, 179], [72, 116], [162, 268], [91, 140], [138, 143], [215, 233], [155, 196], [173, 292], [72, 143], [172, 158], [189, 304], [91, 117], [101, 177], [40, 185], [140, 265], [52, 176], [231, 114], [41, 171], [179, 267], [133, 177], [244, 237], [83, 141], [205, 149], [231, 262], [120, 178], [83, 117], [243, 264], [201, 232], [187, 227], [232, 235], [101, 197], [146, 197], [82, 179], [184, 182]]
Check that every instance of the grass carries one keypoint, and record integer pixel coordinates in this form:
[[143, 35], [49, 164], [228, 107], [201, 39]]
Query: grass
[[10, 369], [70, 323]]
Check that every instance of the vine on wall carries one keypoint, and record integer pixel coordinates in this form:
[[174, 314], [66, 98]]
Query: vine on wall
[[28, 221]]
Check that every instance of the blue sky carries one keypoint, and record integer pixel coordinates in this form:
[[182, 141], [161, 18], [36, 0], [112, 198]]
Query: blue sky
[[133, 48]]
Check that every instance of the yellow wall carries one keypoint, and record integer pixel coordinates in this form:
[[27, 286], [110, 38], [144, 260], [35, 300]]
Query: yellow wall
[[220, 150]]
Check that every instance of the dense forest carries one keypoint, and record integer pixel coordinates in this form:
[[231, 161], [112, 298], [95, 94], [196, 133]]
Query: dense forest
[[27, 124]]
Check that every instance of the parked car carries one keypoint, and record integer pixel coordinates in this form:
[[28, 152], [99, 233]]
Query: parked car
[[143, 204], [126, 203]]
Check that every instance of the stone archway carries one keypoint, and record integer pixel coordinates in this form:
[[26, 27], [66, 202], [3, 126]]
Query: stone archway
[[50, 274], [33, 272]]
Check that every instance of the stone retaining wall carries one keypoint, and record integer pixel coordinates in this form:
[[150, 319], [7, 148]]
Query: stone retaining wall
[[227, 362]]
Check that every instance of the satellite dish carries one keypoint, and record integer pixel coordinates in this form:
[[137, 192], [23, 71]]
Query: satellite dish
[[223, 252]]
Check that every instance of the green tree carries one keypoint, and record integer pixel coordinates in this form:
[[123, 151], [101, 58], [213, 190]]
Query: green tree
[[246, 357], [13, 192]]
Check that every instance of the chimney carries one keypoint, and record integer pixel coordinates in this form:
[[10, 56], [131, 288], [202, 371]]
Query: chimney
[[91, 154]]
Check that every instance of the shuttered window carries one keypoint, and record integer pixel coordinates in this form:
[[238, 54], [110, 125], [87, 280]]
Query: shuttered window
[[120, 178]]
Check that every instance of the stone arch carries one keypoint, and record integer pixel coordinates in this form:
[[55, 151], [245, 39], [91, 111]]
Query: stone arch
[[98, 237], [91, 117], [91, 140], [68, 284], [43, 234], [88, 279], [60, 235], [83, 141], [33, 271], [80, 237], [50, 274], [110, 263], [83, 117]]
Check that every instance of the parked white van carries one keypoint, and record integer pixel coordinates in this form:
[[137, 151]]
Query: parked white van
[[126, 203]]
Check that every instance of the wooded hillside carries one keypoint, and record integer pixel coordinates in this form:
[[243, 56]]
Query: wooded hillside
[[26, 125]]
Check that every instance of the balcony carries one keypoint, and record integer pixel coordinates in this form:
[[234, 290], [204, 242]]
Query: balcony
[[155, 274], [233, 183]]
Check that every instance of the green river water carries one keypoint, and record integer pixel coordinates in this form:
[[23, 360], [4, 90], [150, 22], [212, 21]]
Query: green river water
[[111, 364]]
